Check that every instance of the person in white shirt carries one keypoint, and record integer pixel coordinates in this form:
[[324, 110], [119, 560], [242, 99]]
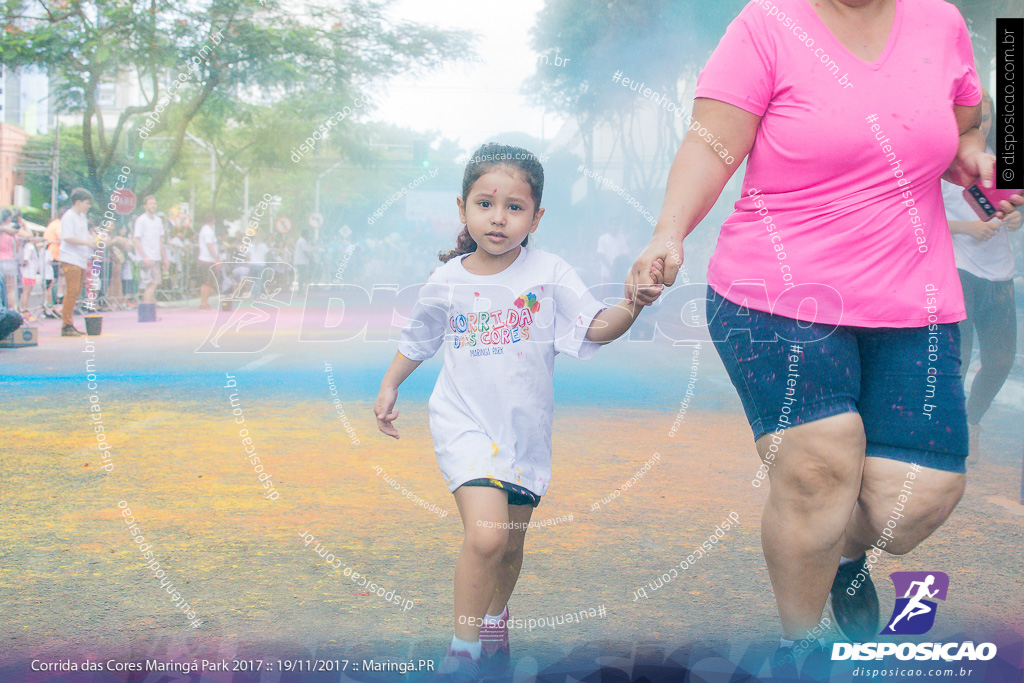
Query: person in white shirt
[[502, 311], [257, 262], [149, 246], [258, 255], [30, 272], [611, 246], [209, 266], [301, 261], [986, 266], [76, 245], [175, 248]]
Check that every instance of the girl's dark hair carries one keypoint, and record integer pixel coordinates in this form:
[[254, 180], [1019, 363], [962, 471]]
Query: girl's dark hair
[[484, 160]]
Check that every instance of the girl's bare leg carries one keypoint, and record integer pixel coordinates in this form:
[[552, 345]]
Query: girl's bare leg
[[484, 512], [512, 560]]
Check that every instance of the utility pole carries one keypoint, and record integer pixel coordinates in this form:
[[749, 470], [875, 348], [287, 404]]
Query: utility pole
[[213, 173], [55, 173]]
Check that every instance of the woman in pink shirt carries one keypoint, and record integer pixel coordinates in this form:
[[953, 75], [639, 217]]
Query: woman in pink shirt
[[11, 228], [839, 262]]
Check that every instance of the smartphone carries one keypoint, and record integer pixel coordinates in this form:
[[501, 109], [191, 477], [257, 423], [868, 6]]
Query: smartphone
[[985, 201]]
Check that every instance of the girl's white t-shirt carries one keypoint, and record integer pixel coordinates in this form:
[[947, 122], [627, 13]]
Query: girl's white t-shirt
[[492, 406]]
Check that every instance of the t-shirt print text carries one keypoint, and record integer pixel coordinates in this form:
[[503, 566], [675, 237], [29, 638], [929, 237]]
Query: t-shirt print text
[[490, 329]]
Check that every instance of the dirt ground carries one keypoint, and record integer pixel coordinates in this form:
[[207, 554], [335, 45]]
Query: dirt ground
[[75, 587]]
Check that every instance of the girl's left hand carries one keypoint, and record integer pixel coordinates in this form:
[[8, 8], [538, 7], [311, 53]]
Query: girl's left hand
[[385, 411]]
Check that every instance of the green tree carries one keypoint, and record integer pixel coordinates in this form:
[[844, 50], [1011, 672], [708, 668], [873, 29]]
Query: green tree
[[657, 42], [229, 55]]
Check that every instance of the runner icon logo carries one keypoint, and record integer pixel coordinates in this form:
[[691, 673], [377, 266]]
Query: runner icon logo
[[914, 613]]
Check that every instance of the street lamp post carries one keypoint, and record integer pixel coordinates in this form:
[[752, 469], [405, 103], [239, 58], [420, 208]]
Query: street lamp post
[[213, 170], [316, 193]]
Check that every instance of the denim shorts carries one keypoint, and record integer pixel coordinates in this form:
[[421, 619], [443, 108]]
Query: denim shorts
[[904, 382]]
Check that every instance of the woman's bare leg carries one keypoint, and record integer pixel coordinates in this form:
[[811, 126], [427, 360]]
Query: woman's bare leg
[[815, 480], [933, 495]]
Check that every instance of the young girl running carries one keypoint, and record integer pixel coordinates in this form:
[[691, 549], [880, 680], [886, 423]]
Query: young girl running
[[502, 310]]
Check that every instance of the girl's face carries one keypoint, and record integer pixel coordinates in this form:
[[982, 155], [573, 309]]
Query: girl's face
[[499, 211]]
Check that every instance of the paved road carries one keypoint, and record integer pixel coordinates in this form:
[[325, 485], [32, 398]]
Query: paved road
[[74, 584]]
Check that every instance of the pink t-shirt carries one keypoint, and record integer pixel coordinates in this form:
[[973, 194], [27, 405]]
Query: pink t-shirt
[[842, 190], [7, 246]]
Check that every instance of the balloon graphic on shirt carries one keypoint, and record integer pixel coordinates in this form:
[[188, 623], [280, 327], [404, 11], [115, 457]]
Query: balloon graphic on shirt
[[528, 301]]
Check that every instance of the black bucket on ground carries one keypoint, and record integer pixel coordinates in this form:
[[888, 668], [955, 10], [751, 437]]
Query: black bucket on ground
[[147, 313], [94, 325]]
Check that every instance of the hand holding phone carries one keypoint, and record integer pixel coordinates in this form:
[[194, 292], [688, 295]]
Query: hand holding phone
[[985, 201]]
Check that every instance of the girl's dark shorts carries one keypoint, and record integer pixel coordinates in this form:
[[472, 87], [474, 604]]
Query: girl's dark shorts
[[904, 382], [517, 495]]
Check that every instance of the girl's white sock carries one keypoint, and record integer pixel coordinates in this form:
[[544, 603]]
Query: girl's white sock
[[789, 643], [494, 620], [473, 648]]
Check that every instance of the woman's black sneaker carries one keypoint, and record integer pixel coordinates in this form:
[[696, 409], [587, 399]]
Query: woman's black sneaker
[[856, 615], [784, 665], [818, 664]]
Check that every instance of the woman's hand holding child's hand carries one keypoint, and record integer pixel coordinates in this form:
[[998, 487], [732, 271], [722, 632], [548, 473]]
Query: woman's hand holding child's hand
[[658, 271], [658, 276]]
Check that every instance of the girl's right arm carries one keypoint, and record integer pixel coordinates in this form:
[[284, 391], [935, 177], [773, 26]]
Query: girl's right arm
[[400, 369]]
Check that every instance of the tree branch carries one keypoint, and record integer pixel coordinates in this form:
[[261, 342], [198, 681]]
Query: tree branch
[[160, 175]]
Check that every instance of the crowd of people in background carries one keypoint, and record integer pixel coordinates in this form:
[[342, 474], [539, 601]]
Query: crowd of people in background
[[77, 265], [147, 258], [59, 272]]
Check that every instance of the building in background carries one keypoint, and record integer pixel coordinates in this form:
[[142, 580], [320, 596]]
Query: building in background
[[12, 177], [25, 111], [25, 99]]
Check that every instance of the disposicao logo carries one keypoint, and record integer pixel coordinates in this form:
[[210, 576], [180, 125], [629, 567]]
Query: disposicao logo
[[914, 614]]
